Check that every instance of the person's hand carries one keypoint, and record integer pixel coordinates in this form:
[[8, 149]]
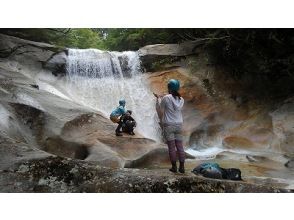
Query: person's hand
[[155, 95]]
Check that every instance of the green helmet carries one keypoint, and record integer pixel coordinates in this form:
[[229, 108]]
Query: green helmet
[[122, 102], [173, 85]]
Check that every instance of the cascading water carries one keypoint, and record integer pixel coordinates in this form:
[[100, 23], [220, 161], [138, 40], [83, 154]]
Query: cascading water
[[99, 79]]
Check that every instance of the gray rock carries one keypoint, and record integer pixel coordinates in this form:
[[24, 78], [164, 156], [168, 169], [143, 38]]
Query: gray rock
[[290, 164], [55, 174], [7, 41], [160, 52], [184, 49], [282, 119], [57, 63], [23, 50]]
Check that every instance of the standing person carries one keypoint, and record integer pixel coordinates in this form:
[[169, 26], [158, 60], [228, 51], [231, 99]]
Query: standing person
[[170, 114], [116, 114]]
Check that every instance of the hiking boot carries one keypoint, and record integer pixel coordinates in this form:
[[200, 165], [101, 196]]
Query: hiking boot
[[182, 167], [118, 133], [174, 167]]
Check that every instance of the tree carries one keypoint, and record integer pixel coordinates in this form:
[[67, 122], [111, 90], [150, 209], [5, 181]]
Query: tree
[[64, 37]]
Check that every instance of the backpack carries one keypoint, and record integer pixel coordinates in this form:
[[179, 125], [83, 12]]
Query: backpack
[[232, 174], [213, 170], [209, 170]]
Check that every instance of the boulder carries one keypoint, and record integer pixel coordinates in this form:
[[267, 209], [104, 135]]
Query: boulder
[[7, 41], [57, 63], [290, 164], [183, 49], [238, 142], [158, 52], [56, 174], [25, 50], [158, 157], [282, 122]]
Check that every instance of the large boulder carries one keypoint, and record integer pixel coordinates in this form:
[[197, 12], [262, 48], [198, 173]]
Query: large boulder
[[216, 123], [198, 105], [57, 63], [183, 49], [282, 121], [158, 52], [155, 158], [23, 50], [9, 42]]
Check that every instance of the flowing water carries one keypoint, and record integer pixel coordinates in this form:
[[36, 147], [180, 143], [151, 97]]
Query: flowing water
[[99, 79]]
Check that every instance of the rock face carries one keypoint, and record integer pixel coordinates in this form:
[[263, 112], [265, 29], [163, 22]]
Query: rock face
[[55, 174], [218, 119], [9, 43], [158, 52], [184, 49], [235, 128], [57, 63], [282, 119], [51, 123]]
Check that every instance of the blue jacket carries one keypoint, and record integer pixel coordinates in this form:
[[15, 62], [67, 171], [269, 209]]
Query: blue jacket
[[120, 110]]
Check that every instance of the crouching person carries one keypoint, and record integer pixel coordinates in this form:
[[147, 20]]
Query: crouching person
[[129, 123], [116, 114]]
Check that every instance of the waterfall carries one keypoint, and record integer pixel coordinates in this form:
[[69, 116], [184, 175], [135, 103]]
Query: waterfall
[[99, 79]]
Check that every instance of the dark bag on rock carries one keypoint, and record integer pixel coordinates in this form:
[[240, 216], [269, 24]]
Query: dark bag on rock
[[209, 170], [232, 174], [213, 170]]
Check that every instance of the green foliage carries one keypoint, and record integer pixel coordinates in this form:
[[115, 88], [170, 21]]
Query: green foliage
[[81, 38], [64, 37], [121, 39]]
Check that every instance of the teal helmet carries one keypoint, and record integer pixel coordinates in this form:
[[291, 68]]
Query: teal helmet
[[122, 102], [173, 85]]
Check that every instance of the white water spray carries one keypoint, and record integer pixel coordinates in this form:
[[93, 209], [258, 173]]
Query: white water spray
[[99, 79]]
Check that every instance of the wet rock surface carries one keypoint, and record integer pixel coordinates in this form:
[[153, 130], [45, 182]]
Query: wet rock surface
[[53, 123], [57, 63], [55, 174]]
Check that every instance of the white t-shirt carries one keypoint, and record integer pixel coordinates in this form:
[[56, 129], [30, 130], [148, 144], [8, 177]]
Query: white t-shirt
[[171, 108]]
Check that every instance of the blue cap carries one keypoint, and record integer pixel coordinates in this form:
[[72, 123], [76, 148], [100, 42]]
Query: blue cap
[[173, 85], [122, 102]]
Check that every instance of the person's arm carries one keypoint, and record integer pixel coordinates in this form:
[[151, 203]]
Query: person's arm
[[132, 119], [160, 105]]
